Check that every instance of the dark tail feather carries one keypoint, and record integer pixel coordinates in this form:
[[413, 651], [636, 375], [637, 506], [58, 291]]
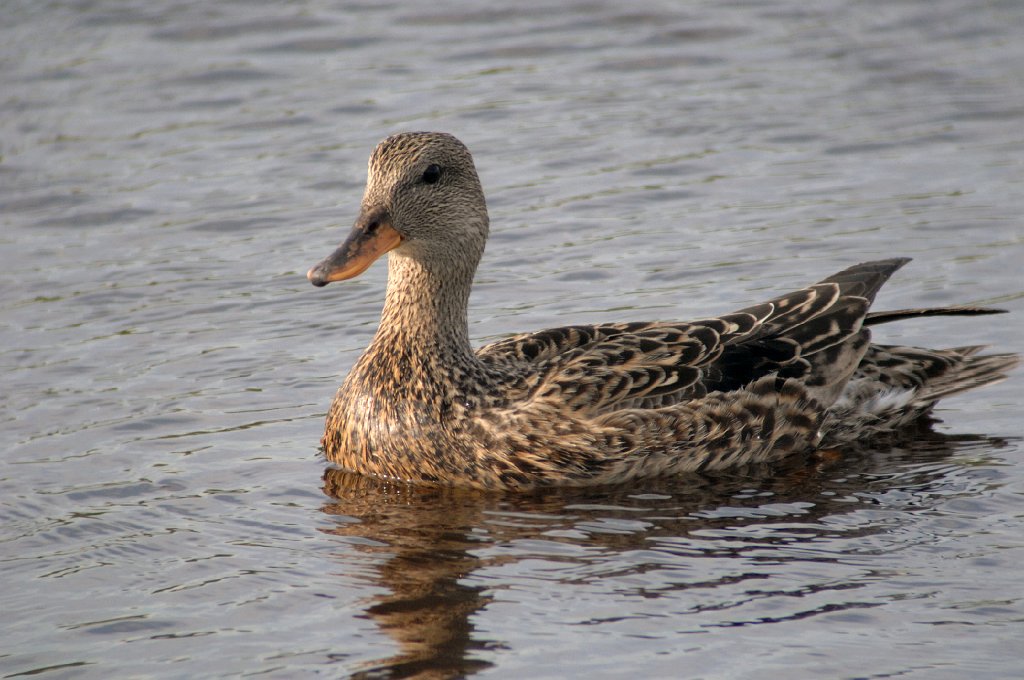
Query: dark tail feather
[[874, 318], [972, 371]]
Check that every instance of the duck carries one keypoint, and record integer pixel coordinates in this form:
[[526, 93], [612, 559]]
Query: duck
[[605, 403]]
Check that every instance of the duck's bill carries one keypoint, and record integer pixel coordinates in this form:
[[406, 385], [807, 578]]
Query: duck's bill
[[370, 238]]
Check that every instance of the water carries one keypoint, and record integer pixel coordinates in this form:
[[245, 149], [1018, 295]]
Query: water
[[169, 171]]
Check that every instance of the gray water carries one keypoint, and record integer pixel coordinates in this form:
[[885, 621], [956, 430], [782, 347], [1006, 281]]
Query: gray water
[[168, 172]]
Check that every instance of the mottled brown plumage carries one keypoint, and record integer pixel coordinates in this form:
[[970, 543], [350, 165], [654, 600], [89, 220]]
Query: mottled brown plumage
[[601, 403]]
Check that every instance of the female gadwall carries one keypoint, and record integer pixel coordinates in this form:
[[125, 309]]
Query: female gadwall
[[602, 403]]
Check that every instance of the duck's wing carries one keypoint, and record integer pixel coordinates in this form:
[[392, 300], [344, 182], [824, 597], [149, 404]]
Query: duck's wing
[[594, 368], [659, 363], [813, 334]]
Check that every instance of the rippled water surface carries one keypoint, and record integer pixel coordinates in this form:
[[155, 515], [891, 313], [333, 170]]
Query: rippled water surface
[[168, 171]]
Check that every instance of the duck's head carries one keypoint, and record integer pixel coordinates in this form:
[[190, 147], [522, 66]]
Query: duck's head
[[423, 201]]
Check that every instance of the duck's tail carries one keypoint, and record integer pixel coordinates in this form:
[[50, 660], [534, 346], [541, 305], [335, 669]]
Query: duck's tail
[[893, 387]]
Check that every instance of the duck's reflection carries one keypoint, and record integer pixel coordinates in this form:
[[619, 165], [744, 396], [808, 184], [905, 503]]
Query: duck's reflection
[[432, 538], [428, 536]]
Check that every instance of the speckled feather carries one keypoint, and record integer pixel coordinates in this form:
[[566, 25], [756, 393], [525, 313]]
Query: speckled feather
[[612, 402]]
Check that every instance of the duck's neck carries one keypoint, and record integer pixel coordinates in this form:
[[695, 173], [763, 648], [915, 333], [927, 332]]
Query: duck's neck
[[424, 320]]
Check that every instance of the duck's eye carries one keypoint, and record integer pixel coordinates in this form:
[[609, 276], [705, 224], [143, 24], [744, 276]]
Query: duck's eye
[[432, 174]]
